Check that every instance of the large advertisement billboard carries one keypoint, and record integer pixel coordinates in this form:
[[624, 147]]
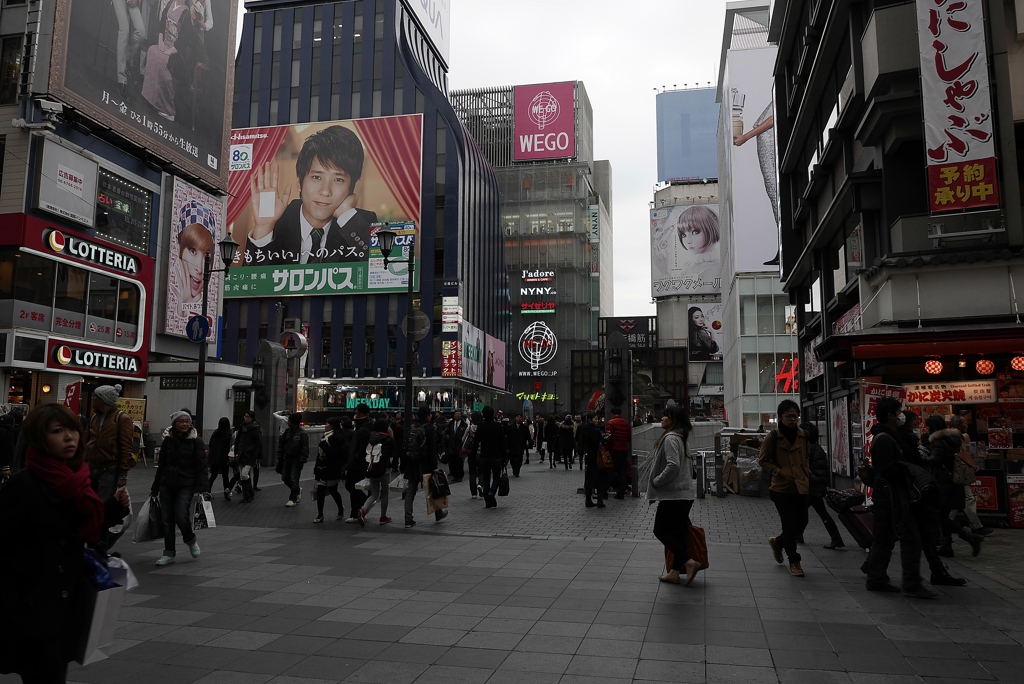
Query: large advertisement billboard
[[686, 256], [306, 202], [494, 364], [958, 126], [196, 222], [687, 128], [544, 121], [472, 348], [160, 74], [705, 338], [749, 122]]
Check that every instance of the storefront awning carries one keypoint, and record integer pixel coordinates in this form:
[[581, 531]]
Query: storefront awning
[[881, 343]]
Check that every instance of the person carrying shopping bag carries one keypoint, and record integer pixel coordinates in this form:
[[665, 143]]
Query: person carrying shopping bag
[[672, 487], [180, 474], [379, 453]]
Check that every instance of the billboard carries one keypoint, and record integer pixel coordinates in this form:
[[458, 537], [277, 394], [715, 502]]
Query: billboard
[[494, 365], [544, 121], [67, 184], [686, 255], [166, 87], [305, 201], [705, 338], [196, 221], [958, 127], [537, 294], [749, 162], [687, 126], [472, 349]]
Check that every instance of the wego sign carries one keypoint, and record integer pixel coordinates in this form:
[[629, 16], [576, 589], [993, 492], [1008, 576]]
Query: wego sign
[[544, 121], [538, 345]]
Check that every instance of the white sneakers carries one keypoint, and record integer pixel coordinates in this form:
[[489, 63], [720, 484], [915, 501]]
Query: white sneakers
[[298, 499], [193, 548], [165, 560]]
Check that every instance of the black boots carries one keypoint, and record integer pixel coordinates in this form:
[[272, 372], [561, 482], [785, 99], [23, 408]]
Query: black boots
[[834, 544], [247, 491], [971, 538], [941, 577], [590, 501]]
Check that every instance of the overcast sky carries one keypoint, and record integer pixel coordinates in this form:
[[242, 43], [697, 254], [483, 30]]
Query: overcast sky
[[621, 51]]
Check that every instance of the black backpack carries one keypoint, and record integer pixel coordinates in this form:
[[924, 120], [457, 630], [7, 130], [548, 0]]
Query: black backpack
[[415, 441]]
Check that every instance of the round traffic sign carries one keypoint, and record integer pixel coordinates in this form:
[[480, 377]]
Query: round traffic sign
[[420, 325], [198, 328]]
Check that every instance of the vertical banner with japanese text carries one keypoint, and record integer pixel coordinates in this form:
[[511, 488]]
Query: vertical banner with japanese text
[[957, 105]]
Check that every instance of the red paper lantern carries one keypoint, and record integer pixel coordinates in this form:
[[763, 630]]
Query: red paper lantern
[[933, 366], [985, 367], [1017, 363]]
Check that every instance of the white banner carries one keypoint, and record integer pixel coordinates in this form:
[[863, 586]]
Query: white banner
[[970, 392], [959, 133]]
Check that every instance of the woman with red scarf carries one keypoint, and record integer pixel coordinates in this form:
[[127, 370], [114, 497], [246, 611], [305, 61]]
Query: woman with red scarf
[[49, 512]]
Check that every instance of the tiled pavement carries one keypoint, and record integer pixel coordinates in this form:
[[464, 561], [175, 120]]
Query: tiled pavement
[[571, 597]]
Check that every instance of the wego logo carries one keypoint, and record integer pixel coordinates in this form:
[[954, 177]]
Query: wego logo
[[87, 251], [538, 345], [543, 110]]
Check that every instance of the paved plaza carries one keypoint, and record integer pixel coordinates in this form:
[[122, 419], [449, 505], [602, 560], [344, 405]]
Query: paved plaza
[[545, 591]]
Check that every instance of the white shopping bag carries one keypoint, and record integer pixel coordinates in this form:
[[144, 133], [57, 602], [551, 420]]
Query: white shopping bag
[[100, 619], [211, 521]]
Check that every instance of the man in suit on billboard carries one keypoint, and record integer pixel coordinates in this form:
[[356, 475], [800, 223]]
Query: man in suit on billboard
[[323, 225]]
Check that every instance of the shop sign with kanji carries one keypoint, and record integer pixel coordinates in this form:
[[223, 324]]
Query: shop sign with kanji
[[970, 392], [957, 105]]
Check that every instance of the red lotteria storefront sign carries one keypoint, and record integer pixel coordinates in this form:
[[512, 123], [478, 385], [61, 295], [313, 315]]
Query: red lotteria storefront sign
[[62, 355]]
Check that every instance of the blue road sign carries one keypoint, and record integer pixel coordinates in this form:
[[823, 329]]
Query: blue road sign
[[197, 328]]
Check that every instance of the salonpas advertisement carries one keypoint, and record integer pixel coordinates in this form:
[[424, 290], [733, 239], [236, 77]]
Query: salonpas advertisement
[[306, 202]]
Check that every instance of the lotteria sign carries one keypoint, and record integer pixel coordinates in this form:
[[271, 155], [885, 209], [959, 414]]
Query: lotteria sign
[[544, 121], [106, 362], [92, 252]]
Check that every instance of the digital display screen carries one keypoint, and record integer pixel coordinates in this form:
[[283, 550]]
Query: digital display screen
[[123, 211]]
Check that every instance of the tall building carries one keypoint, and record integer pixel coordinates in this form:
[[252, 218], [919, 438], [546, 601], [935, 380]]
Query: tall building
[[760, 345], [95, 142], [364, 83], [686, 244], [899, 133], [556, 215]]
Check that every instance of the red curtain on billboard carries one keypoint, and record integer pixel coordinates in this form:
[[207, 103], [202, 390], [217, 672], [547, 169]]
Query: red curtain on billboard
[[263, 150], [394, 145]]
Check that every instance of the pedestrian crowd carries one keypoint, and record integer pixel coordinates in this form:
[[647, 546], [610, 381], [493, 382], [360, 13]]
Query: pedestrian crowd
[[63, 491]]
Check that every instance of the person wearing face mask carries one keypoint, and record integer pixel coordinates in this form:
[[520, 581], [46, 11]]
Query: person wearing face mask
[[893, 518], [924, 507]]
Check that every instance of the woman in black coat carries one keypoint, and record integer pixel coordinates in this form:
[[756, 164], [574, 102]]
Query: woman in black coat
[[220, 447], [595, 478], [49, 512], [331, 455], [943, 446], [820, 478], [180, 474], [248, 450], [566, 441]]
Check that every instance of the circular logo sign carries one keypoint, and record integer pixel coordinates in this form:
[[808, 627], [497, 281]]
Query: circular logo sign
[[538, 344], [63, 354], [543, 109], [56, 240]]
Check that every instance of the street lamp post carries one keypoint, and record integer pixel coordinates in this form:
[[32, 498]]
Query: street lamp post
[[228, 249], [386, 242]]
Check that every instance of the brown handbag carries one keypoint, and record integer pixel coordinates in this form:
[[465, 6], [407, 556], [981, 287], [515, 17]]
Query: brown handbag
[[696, 546]]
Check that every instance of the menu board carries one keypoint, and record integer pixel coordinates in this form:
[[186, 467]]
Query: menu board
[[1015, 496]]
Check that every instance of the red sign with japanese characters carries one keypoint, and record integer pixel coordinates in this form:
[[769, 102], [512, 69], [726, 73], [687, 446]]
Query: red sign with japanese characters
[[959, 133]]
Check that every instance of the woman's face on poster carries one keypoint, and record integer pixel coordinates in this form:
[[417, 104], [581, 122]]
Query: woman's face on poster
[[698, 318], [192, 263], [694, 239]]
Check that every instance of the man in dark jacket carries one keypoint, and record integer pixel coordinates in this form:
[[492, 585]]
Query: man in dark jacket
[[618, 433], [355, 470], [292, 454], [518, 443], [490, 446], [821, 470], [420, 460], [454, 435], [890, 509]]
